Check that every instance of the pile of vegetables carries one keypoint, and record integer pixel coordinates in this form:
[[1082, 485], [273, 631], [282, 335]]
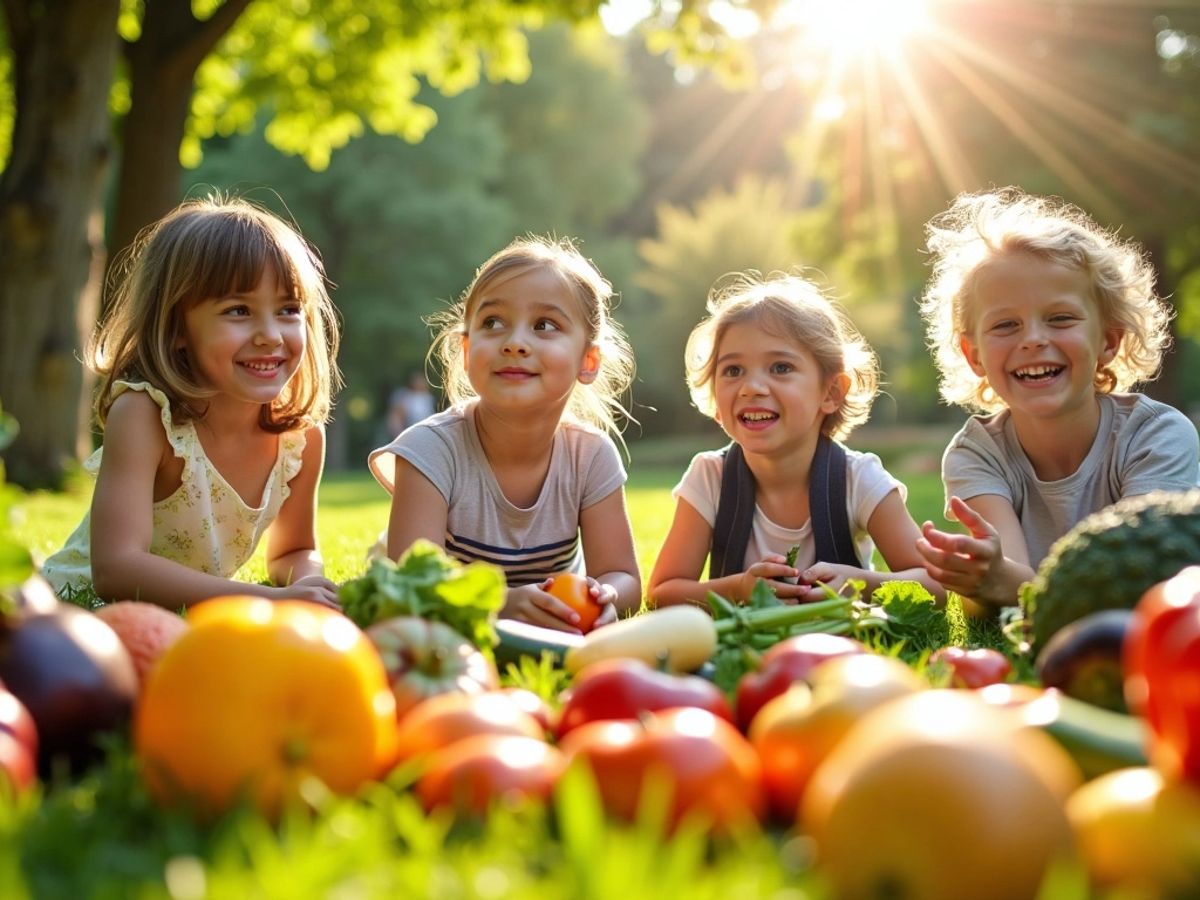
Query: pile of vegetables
[[689, 748]]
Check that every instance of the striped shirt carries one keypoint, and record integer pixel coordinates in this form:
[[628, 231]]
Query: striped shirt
[[530, 543]]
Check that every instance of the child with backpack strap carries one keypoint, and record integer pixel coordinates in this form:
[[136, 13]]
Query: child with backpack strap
[[785, 374]]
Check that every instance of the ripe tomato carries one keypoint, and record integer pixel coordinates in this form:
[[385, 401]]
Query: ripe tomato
[[1161, 658], [478, 771], [573, 590], [1137, 831], [444, 719], [701, 763], [626, 688], [789, 661], [972, 668], [939, 796], [795, 731], [258, 695], [424, 658]]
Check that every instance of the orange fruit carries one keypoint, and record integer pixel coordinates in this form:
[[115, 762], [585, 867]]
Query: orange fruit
[[145, 629], [572, 590]]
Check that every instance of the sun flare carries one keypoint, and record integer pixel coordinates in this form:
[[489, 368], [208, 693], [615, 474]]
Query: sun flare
[[853, 27]]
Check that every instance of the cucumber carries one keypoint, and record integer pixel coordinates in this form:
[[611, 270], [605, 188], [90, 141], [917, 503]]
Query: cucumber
[[1098, 739], [519, 639], [681, 637]]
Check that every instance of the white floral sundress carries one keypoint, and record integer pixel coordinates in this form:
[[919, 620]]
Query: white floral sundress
[[205, 524]]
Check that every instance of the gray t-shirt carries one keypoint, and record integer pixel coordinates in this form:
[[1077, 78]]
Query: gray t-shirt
[[529, 544], [1141, 446]]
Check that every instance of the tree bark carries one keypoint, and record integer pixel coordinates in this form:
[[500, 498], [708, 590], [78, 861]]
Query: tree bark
[[63, 56], [162, 70]]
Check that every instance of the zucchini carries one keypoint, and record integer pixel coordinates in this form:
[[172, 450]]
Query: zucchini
[[519, 639], [681, 638], [1098, 739]]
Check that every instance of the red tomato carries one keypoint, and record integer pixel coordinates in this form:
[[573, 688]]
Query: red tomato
[[444, 719], [425, 658], [972, 668], [573, 590], [1161, 659], [787, 662], [625, 688], [707, 768], [534, 705], [18, 765], [478, 771]]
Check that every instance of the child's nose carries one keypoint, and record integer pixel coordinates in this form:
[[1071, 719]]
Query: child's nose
[[517, 344], [267, 333], [1034, 335]]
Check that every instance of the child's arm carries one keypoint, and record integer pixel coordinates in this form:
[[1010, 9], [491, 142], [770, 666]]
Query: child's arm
[[894, 532], [123, 568], [418, 510], [990, 564], [611, 557], [292, 555], [676, 574]]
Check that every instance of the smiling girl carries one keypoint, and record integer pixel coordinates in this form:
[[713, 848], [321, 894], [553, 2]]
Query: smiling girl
[[520, 470], [1040, 319], [217, 367], [785, 374]]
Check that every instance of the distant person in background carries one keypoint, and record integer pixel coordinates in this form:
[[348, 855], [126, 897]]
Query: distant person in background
[[1039, 319], [409, 404], [520, 471]]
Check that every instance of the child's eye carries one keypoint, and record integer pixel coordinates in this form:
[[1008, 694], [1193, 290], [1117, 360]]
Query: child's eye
[[490, 323], [1063, 319], [546, 325], [291, 309], [236, 311], [782, 368], [1003, 325], [731, 371]]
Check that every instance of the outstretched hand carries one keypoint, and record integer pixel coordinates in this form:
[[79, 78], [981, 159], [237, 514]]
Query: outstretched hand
[[530, 603], [973, 564], [314, 589]]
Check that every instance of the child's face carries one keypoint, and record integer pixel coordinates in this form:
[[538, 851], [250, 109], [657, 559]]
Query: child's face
[[1036, 335], [247, 346], [770, 393], [526, 343]]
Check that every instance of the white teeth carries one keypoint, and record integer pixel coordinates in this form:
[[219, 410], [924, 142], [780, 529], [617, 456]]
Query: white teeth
[[261, 367], [758, 416], [1037, 371]]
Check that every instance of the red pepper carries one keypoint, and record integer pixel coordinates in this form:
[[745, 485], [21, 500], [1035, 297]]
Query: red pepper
[[1161, 659], [973, 668], [626, 688]]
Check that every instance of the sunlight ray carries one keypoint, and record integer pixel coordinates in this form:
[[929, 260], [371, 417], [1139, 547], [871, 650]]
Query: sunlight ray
[[881, 176]]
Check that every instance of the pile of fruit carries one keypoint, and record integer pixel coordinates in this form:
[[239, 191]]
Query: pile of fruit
[[905, 781]]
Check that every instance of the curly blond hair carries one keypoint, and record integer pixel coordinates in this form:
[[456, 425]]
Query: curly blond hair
[[795, 309], [207, 248], [977, 228], [598, 403]]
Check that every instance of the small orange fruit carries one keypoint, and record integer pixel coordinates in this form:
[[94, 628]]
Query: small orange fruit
[[145, 629], [573, 590]]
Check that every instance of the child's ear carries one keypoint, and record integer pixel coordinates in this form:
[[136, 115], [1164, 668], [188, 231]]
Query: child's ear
[[591, 364], [835, 394], [466, 345], [971, 354], [1112, 343]]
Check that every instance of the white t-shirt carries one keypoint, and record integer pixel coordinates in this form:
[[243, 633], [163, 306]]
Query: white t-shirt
[[529, 544], [867, 483], [1141, 446]]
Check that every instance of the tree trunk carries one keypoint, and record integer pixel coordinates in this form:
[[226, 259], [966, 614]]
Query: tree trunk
[[50, 241], [162, 71]]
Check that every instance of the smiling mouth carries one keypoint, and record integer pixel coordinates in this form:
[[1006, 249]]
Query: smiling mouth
[[1037, 373], [263, 368], [758, 416]]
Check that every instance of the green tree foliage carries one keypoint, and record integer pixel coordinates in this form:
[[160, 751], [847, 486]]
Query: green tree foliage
[[402, 227]]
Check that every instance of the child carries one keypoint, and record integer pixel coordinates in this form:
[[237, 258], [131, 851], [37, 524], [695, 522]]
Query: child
[[520, 469], [217, 365], [784, 373], [1038, 317]]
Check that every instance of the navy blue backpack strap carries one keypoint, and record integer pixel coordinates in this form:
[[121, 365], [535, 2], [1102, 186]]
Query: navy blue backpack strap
[[827, 505], [735, 515]]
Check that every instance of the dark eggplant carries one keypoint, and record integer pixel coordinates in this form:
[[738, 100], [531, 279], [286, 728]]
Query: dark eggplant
[[72, 673], [1083, 659]]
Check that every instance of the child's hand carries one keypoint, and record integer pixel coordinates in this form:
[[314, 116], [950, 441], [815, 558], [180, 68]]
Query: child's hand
[[313, 588], [769, 569], [820, 576], [530, 603], [971, 565], [606, 596]]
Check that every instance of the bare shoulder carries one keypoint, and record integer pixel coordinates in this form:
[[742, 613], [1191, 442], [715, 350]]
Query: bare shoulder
[[134, 417]]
